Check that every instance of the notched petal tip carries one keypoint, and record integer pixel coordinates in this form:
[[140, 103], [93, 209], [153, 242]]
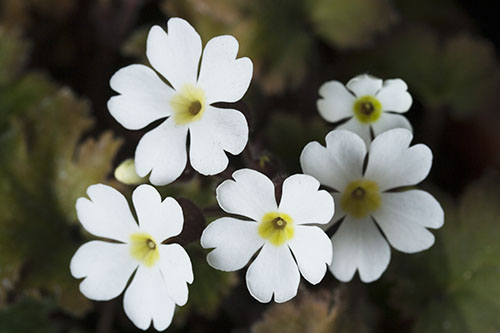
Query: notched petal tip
[[223, 76], [82, 204], [405, 134]]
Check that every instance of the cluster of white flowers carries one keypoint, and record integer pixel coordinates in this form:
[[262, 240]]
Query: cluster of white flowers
[[369, 206]]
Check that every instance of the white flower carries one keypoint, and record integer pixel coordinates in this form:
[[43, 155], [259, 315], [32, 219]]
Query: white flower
[[161, 270], [368, 103], [364, 199], [186, 102], [279, 230]]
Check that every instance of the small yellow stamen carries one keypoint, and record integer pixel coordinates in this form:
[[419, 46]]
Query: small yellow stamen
[[188, 104], [143, 247], [367, 109], [277, 228], [360, 198]]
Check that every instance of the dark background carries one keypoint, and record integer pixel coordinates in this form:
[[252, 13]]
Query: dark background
[[57, 137]]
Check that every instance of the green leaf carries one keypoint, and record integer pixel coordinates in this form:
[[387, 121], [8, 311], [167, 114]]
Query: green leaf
[[91, 164], [58, 124], [351, 23], [454, 286], [276, 39], [22, 95], [472, 250], [46, 169]]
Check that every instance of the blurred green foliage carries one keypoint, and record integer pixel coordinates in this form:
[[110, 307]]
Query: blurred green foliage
[[346, 310], [455, 286], [20, 13], [45, 167], [309, 314], [26, 315], [351, 23], [13, 53], [459, 74], [470, 295]]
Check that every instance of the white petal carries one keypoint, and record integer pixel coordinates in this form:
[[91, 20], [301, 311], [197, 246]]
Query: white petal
[[404, 216], [348, 150], [250, 194], [219, 130], [144, 97], [392, 164], [177, 271], [363, 85], [273, 272], [339, 213], [358, 245], [355, 126], [337, 164], [336, 102], [394, 96], [390, 121], [161, 220], [313, 251], [106, 267], [163, 152], [223, 77], [315, 161], [302, 200], [176, 55], [147, 299], [235, 242], [106, 214]]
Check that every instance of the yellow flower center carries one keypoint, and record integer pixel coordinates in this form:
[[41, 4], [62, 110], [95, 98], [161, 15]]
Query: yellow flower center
[[143, 247], [188, 104], [277, 228], [360, 198], [367, 109]]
